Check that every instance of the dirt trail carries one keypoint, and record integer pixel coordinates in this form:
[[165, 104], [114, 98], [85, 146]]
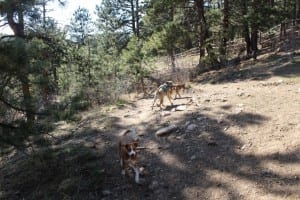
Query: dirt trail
[[237, 137]]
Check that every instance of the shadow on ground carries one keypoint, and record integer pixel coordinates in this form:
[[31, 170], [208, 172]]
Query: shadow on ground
[[180, 165]]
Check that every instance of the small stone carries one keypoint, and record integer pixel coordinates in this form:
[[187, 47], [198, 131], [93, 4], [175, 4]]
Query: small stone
[[240, 94], [180, 108], [165, 113], [191, 127], [178, 137], [106, 192], [193, 157]]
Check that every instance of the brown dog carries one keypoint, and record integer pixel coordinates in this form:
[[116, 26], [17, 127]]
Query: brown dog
[[162, 91], [127, 151], [176, 89]]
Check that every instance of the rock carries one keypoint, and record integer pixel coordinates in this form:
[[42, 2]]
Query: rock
[[106, 192], [165, 113], [193, 157], [191, 127], [165, 130], [178, 138], [187, 123], [220, 119], [238, 110], [240, 94], [201, 119], [180, 108]]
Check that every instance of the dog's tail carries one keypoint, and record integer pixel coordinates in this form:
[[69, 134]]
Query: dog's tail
[[132, 132], [124, 132]]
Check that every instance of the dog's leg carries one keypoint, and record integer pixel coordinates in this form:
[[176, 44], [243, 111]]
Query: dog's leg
[[122, 167], [137, 173], [154, 100], [177, 93], [161, 101], [169, 97]]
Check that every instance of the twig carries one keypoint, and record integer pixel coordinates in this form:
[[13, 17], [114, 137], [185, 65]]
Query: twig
[[141, 148]]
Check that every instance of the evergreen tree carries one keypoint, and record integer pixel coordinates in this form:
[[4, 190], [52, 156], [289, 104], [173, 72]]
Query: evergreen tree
[[81, 26], [27, 58]]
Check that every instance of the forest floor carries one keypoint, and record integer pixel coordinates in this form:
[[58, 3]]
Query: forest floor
[[237, 136]]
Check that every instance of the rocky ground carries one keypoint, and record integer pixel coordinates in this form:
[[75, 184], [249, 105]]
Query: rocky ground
[[235, 136]]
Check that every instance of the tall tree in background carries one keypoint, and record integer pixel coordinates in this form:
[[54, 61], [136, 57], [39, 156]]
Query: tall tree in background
[[202, 26], [81, 26], [81, 29], [255, 22], [167, 29], [120, 15], [120, 22], [225, 27]]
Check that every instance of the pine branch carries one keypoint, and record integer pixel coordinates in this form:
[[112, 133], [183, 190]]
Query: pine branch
[[19, 109], [8, 126], [7, 36]]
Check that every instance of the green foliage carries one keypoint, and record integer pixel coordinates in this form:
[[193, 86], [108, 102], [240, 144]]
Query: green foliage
[[69, 105], [81, 26]]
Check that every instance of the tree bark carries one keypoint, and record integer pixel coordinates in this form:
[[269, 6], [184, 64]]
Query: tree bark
[[225, 29], [202, 26], [297, 9], [246, 32], [137, 18], [254, 30], [133, 17], [18, 29]]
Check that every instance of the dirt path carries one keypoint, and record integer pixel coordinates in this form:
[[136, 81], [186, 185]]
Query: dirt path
[[237, 137]]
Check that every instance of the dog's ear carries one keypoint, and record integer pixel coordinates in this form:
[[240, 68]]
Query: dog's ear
[[127, 146], [135, 144]]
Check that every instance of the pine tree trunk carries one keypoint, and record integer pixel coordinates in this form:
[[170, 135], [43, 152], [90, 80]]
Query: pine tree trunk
[[225, 29], [133, 17], [246, 33], [173, 60], [254, 30], [137, 18], [18, 29], [297, 9], [202, 31]]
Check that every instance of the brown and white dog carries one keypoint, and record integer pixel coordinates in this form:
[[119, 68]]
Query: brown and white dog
[[162, 91], [127, 151]]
